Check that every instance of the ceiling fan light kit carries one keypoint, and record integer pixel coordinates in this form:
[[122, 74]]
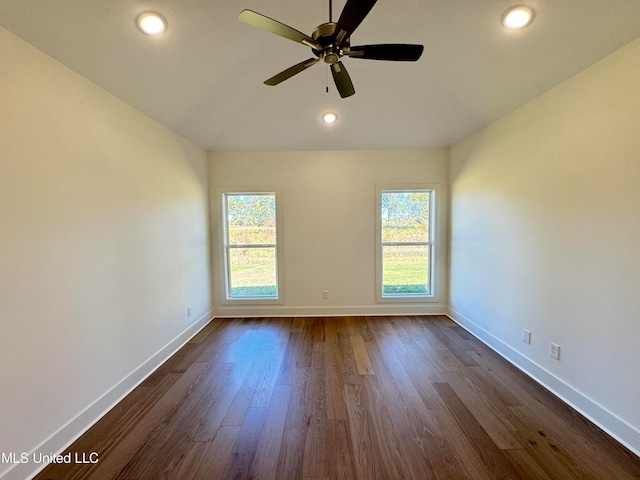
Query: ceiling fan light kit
[[331, 41]]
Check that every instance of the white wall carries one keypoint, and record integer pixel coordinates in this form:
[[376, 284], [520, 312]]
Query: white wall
[[545, 231], [104, 242], [329, 201]]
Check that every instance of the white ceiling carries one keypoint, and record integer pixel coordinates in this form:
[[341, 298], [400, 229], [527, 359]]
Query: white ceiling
[[203, 77]]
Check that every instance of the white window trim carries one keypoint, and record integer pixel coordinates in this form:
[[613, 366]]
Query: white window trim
[[223, 267], [435, 242]]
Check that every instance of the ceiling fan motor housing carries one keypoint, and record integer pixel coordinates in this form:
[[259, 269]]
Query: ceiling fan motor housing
[[323, 34]]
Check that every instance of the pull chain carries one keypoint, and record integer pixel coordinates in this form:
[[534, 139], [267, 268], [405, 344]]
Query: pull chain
[[326, 71], [327, 65]]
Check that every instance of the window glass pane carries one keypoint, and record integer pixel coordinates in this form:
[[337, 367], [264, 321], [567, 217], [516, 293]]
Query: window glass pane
[[405, 270], [251, 219], [252, 272], [405, 216]]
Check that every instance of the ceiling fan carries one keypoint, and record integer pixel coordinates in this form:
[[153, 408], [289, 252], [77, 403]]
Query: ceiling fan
[[331, 41]]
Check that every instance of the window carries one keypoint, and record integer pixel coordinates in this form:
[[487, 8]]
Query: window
[[406, 244], [251, 260]]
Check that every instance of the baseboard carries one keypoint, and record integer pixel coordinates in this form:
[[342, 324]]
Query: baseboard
[[242, 311], [70, 432], [622, 431]]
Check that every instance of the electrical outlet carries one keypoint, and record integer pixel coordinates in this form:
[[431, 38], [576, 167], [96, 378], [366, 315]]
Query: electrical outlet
[[189, 311], [526, 336], [554, 351], [325, 294]]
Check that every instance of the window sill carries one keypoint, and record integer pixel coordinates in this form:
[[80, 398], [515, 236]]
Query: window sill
[[252, 301], [408, 299]]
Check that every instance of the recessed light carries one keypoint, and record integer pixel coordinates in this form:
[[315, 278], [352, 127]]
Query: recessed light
[[152, 23], [329, 118], [517, 17]]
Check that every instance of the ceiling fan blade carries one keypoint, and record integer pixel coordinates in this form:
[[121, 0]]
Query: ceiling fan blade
[[352, 15], [342, 79], [262, 22], [399, 52], [291, 71]]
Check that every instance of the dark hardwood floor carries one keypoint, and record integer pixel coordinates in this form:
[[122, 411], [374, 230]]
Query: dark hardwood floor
[[363, 398]]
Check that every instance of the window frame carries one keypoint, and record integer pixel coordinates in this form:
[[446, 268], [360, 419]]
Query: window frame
[[433, 243], [224, 248]]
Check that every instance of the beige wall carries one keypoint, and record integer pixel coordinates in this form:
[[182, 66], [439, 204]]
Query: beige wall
[[328, 204], [544, 236], [103, 245]]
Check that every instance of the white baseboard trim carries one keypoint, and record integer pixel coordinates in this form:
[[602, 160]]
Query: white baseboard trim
[[78, 425], [246, 311], [622, 431]]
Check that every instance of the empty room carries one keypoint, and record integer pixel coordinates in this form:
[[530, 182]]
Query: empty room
[[319, 240]]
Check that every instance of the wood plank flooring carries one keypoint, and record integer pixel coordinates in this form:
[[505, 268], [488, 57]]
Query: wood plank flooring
[[349, 398]]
